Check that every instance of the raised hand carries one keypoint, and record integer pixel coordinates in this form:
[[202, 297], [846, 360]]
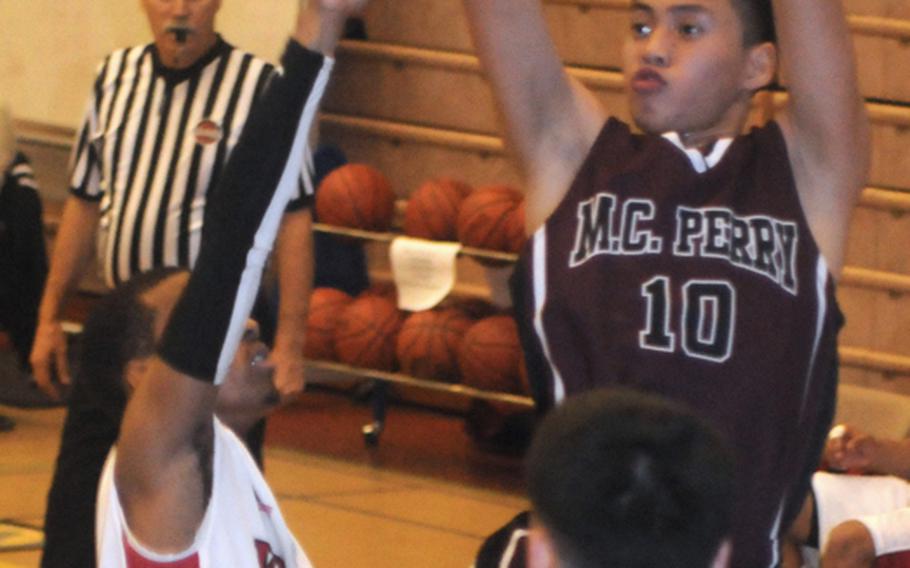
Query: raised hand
[[850, 449]]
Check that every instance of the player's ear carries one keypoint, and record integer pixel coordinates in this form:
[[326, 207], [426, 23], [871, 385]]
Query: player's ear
[[722, 558], [541, 552], [761, 66]]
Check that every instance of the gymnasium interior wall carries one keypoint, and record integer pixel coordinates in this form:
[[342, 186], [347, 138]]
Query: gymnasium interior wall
[[413, 102]]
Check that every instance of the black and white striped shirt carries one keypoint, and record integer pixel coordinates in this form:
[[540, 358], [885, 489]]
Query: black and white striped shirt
[[153, 142]]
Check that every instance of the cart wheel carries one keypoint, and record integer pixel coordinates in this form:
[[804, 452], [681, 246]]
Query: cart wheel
[[371, 433]]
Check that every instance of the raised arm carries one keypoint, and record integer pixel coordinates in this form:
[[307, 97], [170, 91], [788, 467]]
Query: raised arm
[[849, 449], [163, 470], [550, 121], [824, 122]]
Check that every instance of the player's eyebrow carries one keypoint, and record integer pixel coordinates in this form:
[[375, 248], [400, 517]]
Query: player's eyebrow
[[690, 9], [677, 8]]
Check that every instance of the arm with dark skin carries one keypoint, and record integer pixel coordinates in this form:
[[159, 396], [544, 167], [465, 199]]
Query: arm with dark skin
[[851, 449], [164, 453], [73, 247], [550, 121], [824, 122]]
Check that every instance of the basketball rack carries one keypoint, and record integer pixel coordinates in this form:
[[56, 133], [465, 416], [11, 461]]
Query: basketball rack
[[331, 372], [326, 372], [388, 237]]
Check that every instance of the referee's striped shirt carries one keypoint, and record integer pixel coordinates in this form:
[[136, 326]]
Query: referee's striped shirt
[[152, 144]]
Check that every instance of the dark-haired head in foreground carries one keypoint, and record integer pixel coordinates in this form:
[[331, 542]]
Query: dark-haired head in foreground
[[623, 479], [120, 328]]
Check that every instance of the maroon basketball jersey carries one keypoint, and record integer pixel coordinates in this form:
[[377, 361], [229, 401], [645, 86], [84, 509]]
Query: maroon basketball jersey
[[696, 278]]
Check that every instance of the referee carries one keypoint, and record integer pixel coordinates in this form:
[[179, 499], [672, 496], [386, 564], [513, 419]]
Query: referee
[[160, 124]]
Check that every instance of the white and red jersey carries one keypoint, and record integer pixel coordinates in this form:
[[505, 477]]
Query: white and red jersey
[[242, 526], [882, 503]]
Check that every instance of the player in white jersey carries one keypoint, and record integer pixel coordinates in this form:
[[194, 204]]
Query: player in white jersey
[[179, 489], [241, 524], [858, 514]]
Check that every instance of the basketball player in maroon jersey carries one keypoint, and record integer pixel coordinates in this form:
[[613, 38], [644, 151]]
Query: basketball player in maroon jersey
[[693, 260]]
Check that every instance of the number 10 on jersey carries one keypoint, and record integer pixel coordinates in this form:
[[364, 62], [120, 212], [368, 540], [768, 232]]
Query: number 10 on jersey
[[706, 322]]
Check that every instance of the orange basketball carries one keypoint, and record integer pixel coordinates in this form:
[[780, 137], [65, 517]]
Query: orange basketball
[[474, 308], [484, 218], [356, 196], [489, 355], [326, 305], [515, 228], [365, 336], [432, 210], [428, 342]]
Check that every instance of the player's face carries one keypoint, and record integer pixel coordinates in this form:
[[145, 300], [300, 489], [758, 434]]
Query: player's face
[[182, 28], [684, 66], [248, 391]]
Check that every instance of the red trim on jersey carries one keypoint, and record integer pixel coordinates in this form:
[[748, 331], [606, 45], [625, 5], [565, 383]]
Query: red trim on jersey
[[895, 560], [135, 559]]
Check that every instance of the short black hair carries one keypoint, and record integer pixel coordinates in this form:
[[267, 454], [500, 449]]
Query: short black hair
[[621, 478], [119, 328], [757, 17]]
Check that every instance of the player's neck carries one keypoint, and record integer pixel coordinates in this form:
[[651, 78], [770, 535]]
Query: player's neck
[[730, 125]]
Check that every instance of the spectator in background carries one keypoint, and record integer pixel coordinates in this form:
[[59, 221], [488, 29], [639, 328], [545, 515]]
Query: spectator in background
[[858, 513], [23, 264]]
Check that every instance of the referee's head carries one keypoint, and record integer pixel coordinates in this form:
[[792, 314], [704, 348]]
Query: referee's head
[[620, 478]]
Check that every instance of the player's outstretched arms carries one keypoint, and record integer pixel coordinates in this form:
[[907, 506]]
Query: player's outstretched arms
[[550, 121], [825, 121]]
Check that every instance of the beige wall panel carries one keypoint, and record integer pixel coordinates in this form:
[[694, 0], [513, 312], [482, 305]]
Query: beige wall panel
[[436, 24], [416, 93], [881, 8], [878, 60], [878, 240], [413, 93], [890, 156], [408, 164], [876, 320], [899, 384], [588, 37], [50, 48], [593, 37]]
